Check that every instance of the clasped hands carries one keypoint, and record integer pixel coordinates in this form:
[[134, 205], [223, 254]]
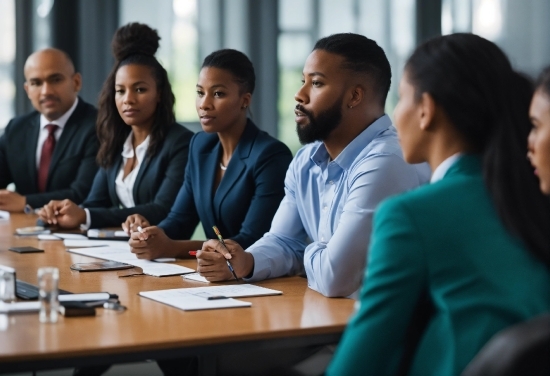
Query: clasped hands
[[64, 213]]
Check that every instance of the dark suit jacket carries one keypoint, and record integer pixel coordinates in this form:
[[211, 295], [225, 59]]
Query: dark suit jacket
[[73, 165], [158, 181], [445, 240], [248, 196]]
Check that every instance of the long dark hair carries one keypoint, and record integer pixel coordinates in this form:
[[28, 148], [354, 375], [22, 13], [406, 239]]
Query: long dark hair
[[488, 103], [134, 43]]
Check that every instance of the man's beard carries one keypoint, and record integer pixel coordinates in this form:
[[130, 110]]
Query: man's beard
[[319, 127]]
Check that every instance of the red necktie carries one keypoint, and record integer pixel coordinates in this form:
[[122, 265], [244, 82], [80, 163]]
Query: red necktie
[[46, 157]]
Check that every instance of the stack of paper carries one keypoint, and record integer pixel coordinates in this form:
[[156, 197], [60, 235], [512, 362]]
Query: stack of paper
[[196, 298], [120, 251]]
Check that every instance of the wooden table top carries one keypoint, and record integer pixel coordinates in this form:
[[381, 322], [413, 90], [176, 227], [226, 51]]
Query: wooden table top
[[148, 325]]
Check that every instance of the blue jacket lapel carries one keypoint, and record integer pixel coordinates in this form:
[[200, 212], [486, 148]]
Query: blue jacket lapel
[[208, 165], [236, 166]]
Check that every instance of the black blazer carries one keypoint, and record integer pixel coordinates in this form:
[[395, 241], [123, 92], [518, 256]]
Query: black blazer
[[73, 165], [248, 195], [157, 183]]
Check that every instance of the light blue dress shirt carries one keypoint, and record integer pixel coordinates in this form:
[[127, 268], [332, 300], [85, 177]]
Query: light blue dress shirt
[[323, 224]]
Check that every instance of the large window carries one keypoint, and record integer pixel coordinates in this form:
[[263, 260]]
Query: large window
[[7, 57], [175, 21], [391, 23], [520, 28]]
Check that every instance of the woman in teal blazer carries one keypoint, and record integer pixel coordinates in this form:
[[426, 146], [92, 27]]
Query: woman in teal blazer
[[474, 244], [235, 175]]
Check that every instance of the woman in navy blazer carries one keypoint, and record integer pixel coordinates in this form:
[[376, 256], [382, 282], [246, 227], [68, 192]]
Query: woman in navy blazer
[[235, 175], [143, 151]]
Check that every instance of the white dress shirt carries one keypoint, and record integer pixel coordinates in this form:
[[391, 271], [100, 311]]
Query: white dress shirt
[[44, 132]]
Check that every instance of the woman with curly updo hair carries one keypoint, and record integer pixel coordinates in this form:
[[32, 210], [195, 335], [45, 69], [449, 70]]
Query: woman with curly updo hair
[[143, 151]]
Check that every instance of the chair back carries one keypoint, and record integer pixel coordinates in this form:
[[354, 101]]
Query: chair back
[[522, 349]]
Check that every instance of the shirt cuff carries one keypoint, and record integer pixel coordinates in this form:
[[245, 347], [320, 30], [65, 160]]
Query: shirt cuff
[[261, 268], [86, 226]]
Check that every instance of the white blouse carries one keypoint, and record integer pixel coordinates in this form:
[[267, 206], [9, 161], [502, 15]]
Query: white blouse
[[124, 187]]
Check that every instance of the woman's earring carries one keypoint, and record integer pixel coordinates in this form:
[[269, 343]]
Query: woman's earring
[[244, 107], [350, 107]]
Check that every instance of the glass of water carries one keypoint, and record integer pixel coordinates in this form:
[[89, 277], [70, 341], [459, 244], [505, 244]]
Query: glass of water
[[7, 286], [48, 280]]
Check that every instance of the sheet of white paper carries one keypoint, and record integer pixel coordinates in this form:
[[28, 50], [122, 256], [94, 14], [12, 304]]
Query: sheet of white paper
[[195, 277], [19, 307], [78, 243], [70, 236], [188, 301], [233, 291], [4, 214], [47, 237], [229, 291], [123, 254], [84, 297]]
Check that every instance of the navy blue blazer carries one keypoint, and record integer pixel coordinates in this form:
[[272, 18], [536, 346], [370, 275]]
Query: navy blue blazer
[[249, 193], [73, 165], [155, 189]]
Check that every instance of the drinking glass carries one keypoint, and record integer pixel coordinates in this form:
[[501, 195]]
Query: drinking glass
[[7, 286], [48, 280]]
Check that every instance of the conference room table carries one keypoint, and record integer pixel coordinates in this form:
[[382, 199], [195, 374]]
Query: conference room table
[[148, 329]]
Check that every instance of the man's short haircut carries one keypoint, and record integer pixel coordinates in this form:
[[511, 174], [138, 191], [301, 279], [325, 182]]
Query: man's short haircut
[[362, 55]]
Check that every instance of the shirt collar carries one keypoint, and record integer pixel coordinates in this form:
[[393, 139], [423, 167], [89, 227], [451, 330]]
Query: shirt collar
[[128, 147], [346, 158], [443, 167], [62, 120]]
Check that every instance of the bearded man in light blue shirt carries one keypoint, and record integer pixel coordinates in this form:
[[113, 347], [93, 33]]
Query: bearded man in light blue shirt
[[350, 162]]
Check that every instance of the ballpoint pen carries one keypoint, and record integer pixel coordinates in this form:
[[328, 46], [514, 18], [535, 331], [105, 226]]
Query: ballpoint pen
[[219, 235]]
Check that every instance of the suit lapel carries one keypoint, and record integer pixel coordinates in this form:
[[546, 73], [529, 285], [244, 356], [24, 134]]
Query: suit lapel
[[208, 165], [30, 163], [111, 180], [141, 173], [236, 166], [69, 131]]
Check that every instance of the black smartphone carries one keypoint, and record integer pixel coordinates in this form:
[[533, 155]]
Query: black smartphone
[[25, 249], [97, 266]]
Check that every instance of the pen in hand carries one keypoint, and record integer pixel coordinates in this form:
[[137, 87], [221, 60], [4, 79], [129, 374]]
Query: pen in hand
[[220, 238]]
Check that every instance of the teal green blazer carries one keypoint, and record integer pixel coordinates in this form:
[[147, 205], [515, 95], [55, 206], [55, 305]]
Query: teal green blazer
[[444, 240]]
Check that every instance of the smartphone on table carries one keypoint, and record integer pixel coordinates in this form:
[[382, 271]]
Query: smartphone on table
[[99, 266]]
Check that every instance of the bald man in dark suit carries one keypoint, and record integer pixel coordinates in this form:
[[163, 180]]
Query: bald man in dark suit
[[49, 154]]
